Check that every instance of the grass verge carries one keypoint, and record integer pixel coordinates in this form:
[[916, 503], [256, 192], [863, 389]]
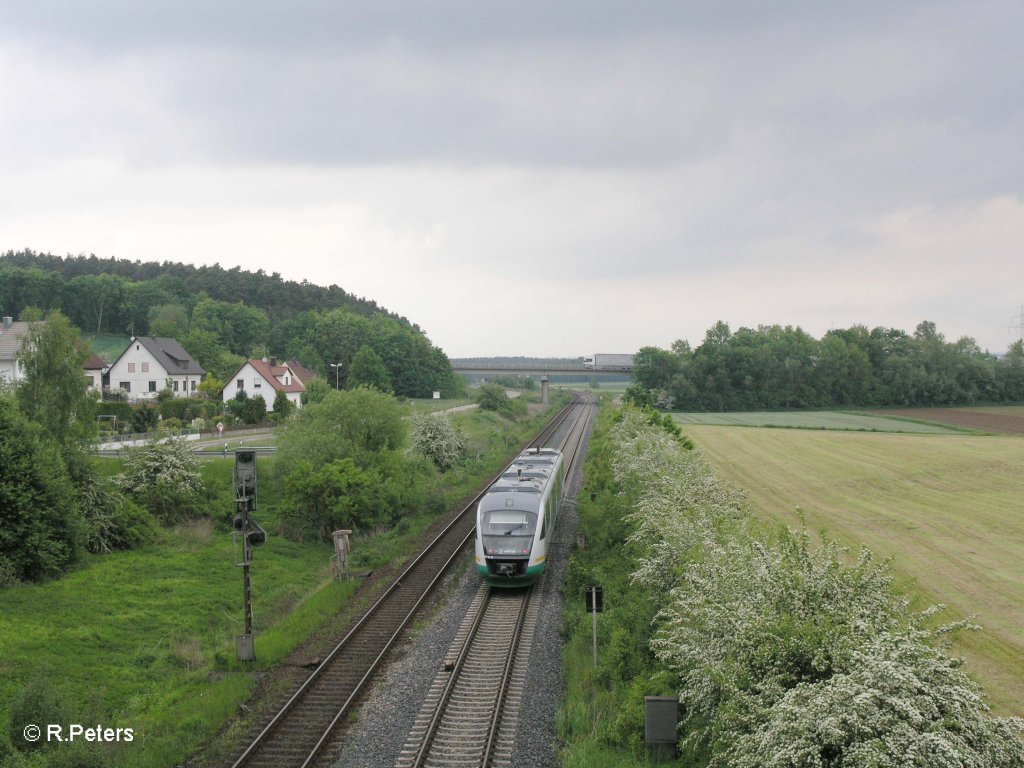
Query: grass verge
[[602, 719]]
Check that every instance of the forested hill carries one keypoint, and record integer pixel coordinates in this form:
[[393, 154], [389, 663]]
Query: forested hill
[[223, 316], [278, 297]]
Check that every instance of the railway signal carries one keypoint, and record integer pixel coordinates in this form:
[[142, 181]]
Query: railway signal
[[252, 535]]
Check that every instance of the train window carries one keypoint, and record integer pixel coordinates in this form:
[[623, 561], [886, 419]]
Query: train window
[[508, 532], [506, 522]]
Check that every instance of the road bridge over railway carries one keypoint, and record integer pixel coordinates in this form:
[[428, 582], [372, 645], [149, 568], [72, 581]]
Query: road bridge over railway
[[538, 368], [542, 368]]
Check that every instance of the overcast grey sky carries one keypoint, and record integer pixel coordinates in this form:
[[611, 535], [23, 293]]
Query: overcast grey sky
[[538, 178]]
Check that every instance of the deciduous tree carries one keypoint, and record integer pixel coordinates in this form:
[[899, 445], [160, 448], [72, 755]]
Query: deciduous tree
[[42, 530], [54, 392], [368, 369]]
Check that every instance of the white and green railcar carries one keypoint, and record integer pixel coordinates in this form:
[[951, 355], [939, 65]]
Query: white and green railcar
[[516, 518]]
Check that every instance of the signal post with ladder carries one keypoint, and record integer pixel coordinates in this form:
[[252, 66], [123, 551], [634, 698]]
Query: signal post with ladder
[[252, 535]]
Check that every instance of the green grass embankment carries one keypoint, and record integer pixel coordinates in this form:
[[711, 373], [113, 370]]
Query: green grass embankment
[[146, 639]]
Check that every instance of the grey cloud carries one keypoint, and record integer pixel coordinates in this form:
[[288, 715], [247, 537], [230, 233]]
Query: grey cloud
[[875, 96], [729, 123]]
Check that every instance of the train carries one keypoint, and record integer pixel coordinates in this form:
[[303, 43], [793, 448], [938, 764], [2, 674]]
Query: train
[[516, 518], [608, 362]]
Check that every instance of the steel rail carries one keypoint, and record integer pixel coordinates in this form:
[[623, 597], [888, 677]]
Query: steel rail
[[506, 676], [454, 678]]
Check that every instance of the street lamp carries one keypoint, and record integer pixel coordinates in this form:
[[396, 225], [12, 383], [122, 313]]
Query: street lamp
[[337, 374]]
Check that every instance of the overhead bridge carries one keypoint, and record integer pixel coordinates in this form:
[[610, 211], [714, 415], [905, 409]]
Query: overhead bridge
[[538, 368]]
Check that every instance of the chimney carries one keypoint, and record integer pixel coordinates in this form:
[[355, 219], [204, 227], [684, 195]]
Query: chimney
[[7, 321]]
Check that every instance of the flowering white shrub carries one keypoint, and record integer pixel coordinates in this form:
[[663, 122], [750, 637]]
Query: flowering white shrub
[[164, 477], [786, 655], [679, 506], [900, 702], [438, 439]]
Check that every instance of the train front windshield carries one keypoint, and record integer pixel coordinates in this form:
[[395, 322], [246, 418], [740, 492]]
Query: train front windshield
[[508, 532]]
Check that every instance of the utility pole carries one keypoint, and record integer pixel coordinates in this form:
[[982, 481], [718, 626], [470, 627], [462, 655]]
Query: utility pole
[[1019, 324]]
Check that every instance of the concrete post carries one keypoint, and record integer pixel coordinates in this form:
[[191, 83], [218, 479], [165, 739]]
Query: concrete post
[[544, 390]]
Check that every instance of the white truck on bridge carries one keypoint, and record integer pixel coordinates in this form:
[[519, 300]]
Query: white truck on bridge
[[600, 361]]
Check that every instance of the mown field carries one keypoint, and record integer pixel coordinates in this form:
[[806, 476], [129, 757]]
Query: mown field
[[946, 508], [861, 422]]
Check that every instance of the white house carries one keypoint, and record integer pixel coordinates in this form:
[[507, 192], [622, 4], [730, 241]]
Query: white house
[[12, 335], [265, 378], [152, 363]]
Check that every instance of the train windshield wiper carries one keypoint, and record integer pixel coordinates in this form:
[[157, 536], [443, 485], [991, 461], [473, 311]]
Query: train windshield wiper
[[509, 531]]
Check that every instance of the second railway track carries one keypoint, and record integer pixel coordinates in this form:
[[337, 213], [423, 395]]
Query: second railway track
[[301, 732]]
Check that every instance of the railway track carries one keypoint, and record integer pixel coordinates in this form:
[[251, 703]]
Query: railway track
[[300, 733], [470, 714], [463, 720]]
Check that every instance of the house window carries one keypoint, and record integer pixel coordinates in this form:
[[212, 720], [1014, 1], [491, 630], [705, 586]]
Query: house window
[[131, 367], [92, 381], [152, 386], [193, 385], [175, 385], [145, 367], [240, 383], [256, 383], [126, 386]]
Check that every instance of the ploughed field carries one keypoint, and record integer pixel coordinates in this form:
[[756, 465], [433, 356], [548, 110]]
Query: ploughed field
[[1000, 420], [856, 421], [946, 508]]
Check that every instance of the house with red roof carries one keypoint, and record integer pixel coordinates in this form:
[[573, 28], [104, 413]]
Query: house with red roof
[[264, 378], [301, 372]]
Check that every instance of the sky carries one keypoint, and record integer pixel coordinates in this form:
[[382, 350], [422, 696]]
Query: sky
[[538, 178]]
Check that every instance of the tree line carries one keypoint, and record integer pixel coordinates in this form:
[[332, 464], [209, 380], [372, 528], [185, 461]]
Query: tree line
[[277, 296], [775, 368], [221, 317]]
